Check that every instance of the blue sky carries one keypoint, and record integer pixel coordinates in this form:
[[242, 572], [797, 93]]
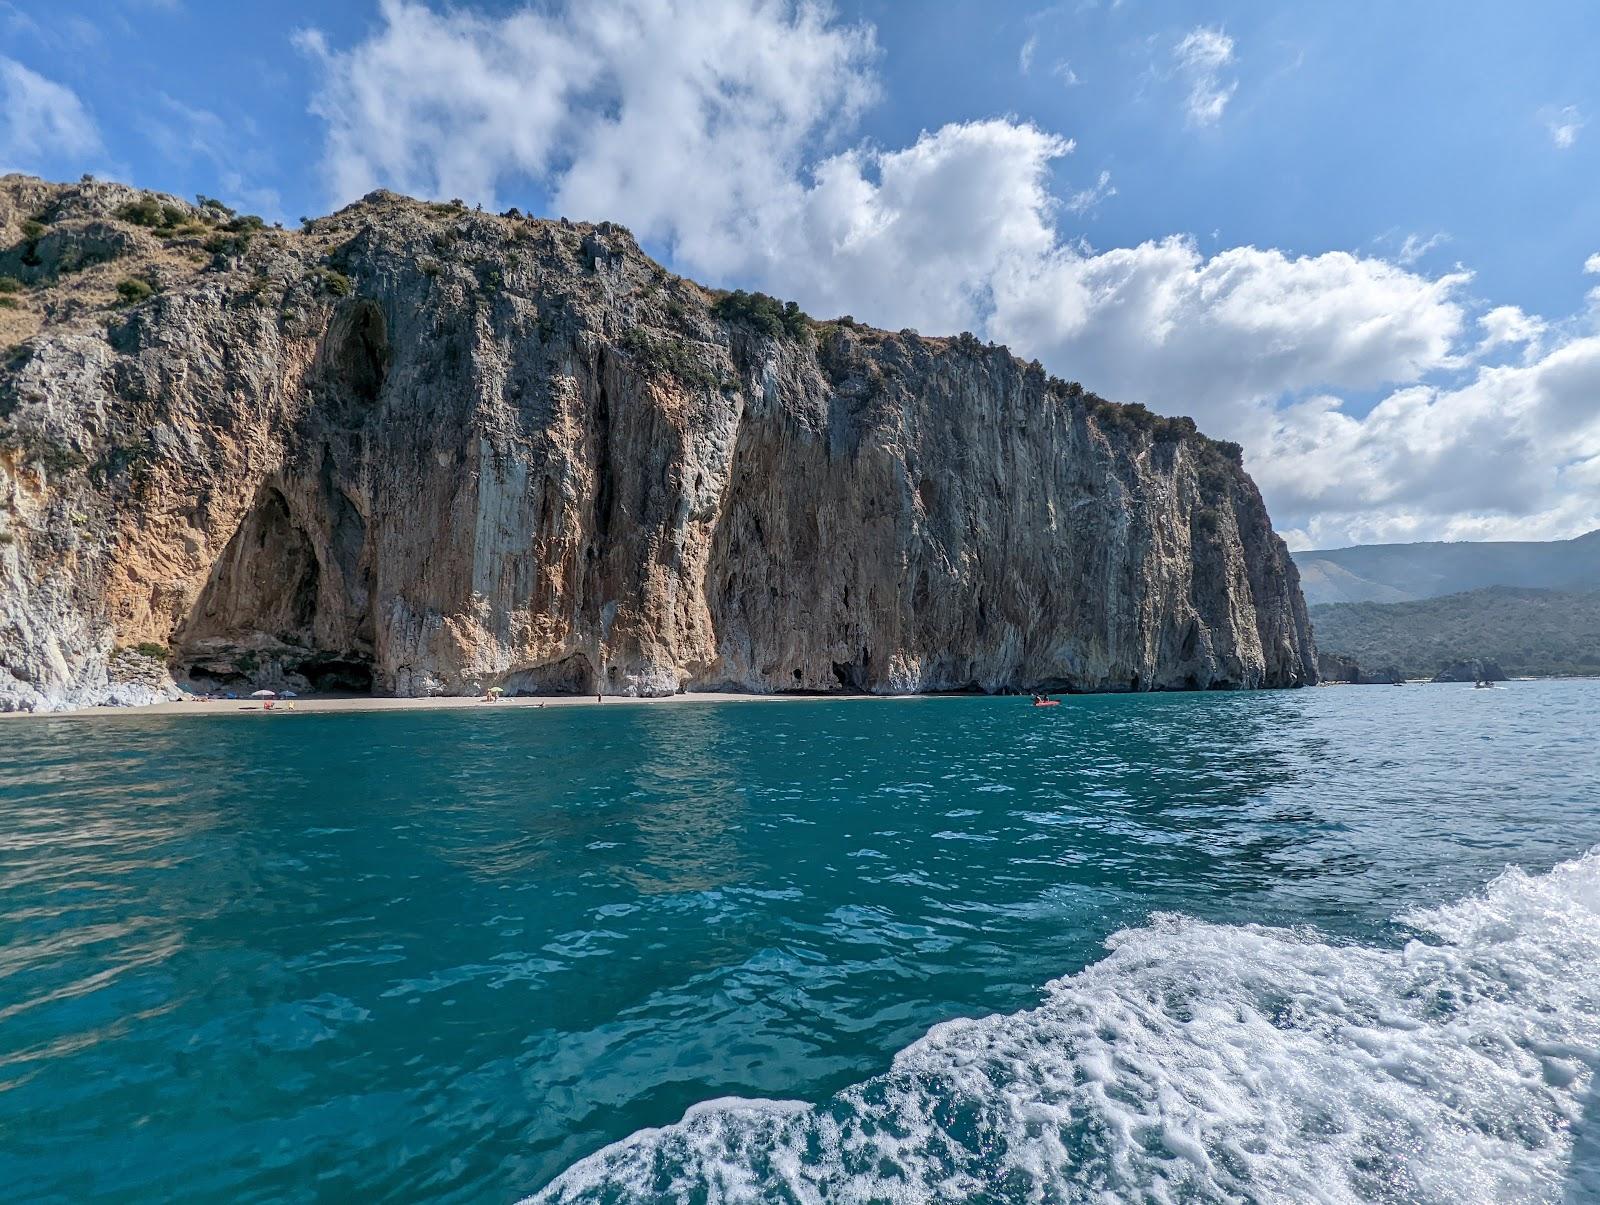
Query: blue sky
[[1352, 235]]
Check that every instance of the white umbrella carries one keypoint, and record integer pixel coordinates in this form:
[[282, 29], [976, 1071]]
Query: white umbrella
[[263, 694]]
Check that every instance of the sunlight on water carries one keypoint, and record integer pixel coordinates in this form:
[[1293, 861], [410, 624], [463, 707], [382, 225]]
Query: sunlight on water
[[1198, 947]]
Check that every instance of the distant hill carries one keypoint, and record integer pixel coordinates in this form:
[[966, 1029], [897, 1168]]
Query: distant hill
[[1528, 632], [1389, 573]]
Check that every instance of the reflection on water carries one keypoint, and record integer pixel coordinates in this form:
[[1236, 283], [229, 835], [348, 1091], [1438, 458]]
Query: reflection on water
[[446, 955]]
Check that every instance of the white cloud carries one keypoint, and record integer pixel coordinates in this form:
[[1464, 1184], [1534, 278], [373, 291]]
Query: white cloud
[[915, 237], [1563, 125], [40, 120], [1507, 325], [1025, 55], [1415, 246], [1085, 199], [1591, 265], [1514, 452], [1063, 71], [678, 104], [1202, 56], [1162, 324], [721, 130]]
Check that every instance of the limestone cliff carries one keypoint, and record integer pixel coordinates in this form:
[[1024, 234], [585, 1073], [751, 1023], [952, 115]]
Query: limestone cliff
[[426, 450]]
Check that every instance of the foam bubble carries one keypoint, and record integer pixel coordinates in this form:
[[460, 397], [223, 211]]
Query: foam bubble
[[1204, 1062]]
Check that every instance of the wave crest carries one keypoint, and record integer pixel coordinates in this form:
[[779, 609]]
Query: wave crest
[[1206, 1061]]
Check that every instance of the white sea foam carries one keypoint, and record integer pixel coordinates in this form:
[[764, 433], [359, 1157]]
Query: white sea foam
[[1209, 1062]]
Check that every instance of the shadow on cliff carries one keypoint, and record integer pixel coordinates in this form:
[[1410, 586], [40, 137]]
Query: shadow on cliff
[[292, 592]]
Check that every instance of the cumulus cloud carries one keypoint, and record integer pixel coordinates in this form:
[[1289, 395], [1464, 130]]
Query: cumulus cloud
[[40, 119], [689, 101], [1202, 57], [916, 236], [1507, 325], [1514, 452], [1163, 324], [1563, 125], [722, 132]]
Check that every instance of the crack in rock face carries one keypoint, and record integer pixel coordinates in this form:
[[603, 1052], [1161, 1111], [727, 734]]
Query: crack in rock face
[[418, 450]]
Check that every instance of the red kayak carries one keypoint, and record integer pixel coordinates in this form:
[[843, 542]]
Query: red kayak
[[1047, 702]]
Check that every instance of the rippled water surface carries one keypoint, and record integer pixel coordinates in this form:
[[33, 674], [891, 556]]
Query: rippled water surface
[[1211, 946]]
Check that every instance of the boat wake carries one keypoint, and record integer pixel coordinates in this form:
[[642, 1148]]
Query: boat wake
[[1202, 1062]]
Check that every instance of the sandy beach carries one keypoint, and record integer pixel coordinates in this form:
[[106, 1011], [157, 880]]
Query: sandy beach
[[328, 704]]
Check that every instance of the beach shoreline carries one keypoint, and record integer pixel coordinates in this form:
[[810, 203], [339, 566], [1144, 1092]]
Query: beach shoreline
[[334, 704]]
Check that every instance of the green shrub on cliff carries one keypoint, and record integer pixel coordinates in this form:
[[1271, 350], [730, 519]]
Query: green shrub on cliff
[[188, 228], [1131, 418], [10, 284], [766, 315], [221, 243], [146, 211], [133, 290], [331, 281]]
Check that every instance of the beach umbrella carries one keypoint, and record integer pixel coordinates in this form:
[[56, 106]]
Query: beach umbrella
[[289, 694], [263, 694], [497, 690]]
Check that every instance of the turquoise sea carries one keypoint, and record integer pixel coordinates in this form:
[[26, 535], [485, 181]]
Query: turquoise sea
[[1163, 947]]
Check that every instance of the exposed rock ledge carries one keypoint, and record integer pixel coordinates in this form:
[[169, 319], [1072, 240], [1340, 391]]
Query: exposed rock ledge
[[425, 451], [1341, 668]]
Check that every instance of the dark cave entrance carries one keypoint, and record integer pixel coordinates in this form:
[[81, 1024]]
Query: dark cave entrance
[[267, 579], [354, 362], [854, 675], [341, 673], [290, 595]]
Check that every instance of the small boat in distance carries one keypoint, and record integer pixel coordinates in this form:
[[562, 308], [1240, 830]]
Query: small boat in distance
[[1045, 701]]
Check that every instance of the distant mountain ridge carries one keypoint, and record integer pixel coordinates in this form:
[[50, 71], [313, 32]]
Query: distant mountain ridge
[[1390, 573], [1527, 632]]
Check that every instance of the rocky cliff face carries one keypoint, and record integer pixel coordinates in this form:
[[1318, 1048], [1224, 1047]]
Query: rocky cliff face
[[423, 450], [1337, 667]]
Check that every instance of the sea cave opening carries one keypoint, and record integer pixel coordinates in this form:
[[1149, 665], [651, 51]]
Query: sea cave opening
[[338, 673]]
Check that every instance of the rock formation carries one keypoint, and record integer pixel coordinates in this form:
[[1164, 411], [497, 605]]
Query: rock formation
[[1339, 668], [422, 450]]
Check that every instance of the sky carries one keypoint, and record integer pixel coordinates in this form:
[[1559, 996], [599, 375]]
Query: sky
[[1362, 239]]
